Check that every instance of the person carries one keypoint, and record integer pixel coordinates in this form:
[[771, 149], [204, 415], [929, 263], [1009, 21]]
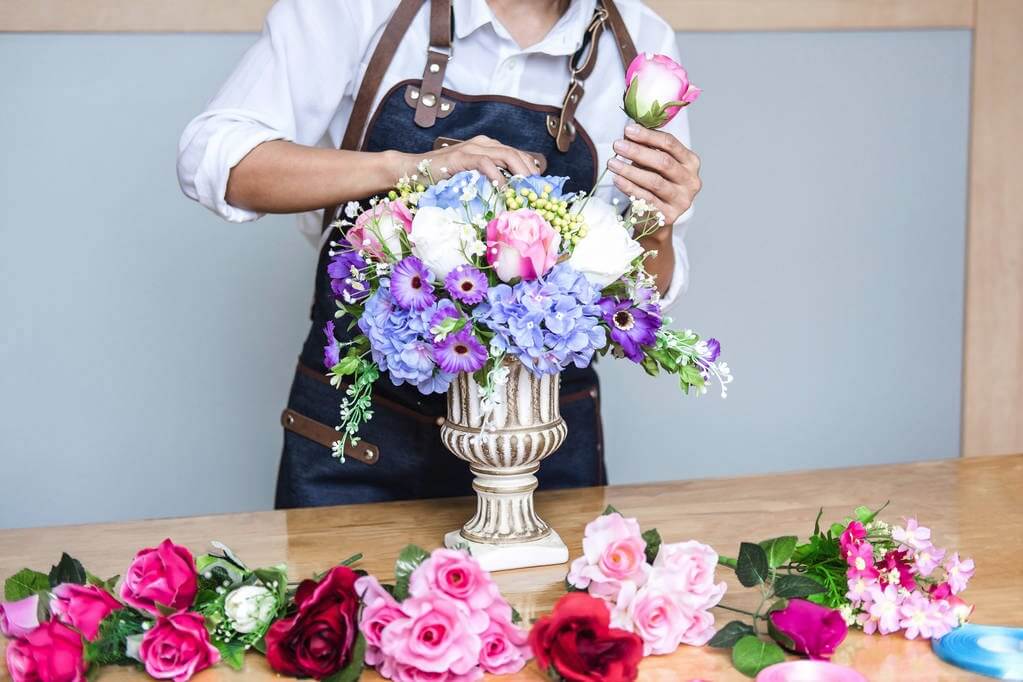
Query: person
[[337, 99]]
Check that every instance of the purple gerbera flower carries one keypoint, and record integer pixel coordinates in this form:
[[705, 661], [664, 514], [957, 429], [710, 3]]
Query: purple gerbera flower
[[411, 284], [460, 352], [632, 326], [332, 351], [466, 284]]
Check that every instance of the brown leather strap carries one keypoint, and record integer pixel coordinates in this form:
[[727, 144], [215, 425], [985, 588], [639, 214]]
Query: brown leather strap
[[393, 33], [437, 56], [626, 48], [327, 436]]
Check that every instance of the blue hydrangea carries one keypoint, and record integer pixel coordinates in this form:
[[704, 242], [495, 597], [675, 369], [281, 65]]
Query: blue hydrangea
[[548, 323], [538, 182], [400, 341], [465, 187]]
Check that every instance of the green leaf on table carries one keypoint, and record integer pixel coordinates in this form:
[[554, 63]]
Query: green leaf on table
[[108, 647], [726, 637], [779, 550], [67, 570], [653, 544], [610, 510], [751, 566], [274, 578], [516, 616], [25, 583], [817, 521], [751, 654], [408, 561], [231, 654], [797, 586], [352, 671], [836, 529]]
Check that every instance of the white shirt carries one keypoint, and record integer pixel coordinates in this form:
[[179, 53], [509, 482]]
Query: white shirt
[[299, 80]]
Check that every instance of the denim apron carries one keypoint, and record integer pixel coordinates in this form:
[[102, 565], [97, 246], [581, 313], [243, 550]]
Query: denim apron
[[401, 456]]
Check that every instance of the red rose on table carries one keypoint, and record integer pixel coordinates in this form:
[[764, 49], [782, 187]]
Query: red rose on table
[[578, 642], [317, 641], [161, 575], [50, 653]]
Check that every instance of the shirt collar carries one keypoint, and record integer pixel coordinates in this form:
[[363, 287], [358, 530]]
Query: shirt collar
[[564, 38]]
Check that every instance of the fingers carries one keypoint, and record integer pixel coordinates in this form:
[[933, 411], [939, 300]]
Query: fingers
[[632, 189], [666, 142], [516, 161], [652, 183], [661, 162]]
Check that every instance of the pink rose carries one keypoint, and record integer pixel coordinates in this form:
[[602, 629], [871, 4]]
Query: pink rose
[[162, 575], [50, 653], [378, 611], [177, 647], [656, 89], [686, 569], [457, 575], [378, 230], [82, 607], [437, 636], [658, 619], [521, 244], [504, 647], [700, 630], [18, 618], [811, 629], [613, 551]]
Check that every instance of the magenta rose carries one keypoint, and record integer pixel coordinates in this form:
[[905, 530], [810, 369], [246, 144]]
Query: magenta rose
[[50, 653], [809, 629], [456, 574], [379, 609], [657, 87], [378, 230], [82, 607], [437, 636], [177, 647], [162, 575], [521, 244], [18, 618], [317, 641]]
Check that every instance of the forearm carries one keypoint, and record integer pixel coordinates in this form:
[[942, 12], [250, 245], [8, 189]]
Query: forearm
[[284, 177], [662, 266]]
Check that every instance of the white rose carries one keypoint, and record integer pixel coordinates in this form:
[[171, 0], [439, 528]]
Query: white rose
[[437, 239], [607, 251], [249, 608]]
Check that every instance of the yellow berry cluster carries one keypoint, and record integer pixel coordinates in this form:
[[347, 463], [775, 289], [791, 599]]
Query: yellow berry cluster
[[555, 211], [406, 187]]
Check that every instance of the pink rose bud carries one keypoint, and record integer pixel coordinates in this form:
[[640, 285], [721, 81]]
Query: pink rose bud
[[82, 607], [809, 629], [163, 575], [656, 89], [378, 230], [18, 618], [177, 647], [50, 653], [521, 244]]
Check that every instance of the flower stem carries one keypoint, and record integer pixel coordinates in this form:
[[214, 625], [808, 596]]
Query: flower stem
[[728, 561], [732, 608]]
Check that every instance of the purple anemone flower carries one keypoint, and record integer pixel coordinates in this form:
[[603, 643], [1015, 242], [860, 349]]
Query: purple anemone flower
[[632, 326], [347, 276], [713, 350], [411, 284], [460, 352], [466, 284], [332, 351]]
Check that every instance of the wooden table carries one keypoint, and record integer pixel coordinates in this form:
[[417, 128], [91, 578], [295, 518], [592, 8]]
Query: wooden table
[[973, 505]]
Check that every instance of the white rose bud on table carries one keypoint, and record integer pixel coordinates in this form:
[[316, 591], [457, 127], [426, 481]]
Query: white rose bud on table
[[607, 251], [249, 608]]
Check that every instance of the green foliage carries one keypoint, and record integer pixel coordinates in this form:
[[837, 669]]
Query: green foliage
[[609, 510], [751, 568], [408, 561], [779, 550], [653, 544], [108, 647], [726, 637], [67, 570], [797, 586], [751, 655], [25, 583], [352, 671]]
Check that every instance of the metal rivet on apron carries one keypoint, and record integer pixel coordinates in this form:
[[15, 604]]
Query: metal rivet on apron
[[369, 455], [414, 94], [441, 421], [444, 144], [429, 100], [289, 420], [444, 106], [434, 68]]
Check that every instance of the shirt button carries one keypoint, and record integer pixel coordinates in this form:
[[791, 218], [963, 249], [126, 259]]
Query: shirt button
[[511, 64]]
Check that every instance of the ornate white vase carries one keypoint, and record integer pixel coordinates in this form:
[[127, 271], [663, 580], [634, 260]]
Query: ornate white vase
[[526, 427]]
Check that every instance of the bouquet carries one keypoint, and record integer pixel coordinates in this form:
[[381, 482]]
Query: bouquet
[[451, 274]]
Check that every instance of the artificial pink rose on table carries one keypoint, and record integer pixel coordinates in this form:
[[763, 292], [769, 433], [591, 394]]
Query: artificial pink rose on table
[[379, 609], [457, 575], [521, 245], [437, 636], [657, 87], [163, 575], [82, 607], [51, 652], [809, 629], [177, 647], [378, 230], [504, 647], [18, 618], [688, 569]]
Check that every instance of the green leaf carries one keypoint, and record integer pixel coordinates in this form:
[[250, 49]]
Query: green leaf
[[751, 566], [836, 529], [865, 514], [165, 610], [516, 616], [726, 637], [751, 655], [610, 510], [797, 586], [650, 366], [108, 647], [408, 561], [630, 102], [67, 570], [653, 544], [779, 550], [817, 522], [231, 653], [25, 583], [352, 671]]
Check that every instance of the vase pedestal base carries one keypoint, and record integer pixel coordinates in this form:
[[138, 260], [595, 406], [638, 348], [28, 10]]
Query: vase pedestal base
[[546, 551]]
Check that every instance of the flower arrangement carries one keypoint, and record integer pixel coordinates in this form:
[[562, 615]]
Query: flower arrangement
[[451, 274], [861, 572], [662, 592], [443, 618]]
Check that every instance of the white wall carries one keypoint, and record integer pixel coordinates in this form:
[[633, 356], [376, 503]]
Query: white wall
[[146, 348]]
